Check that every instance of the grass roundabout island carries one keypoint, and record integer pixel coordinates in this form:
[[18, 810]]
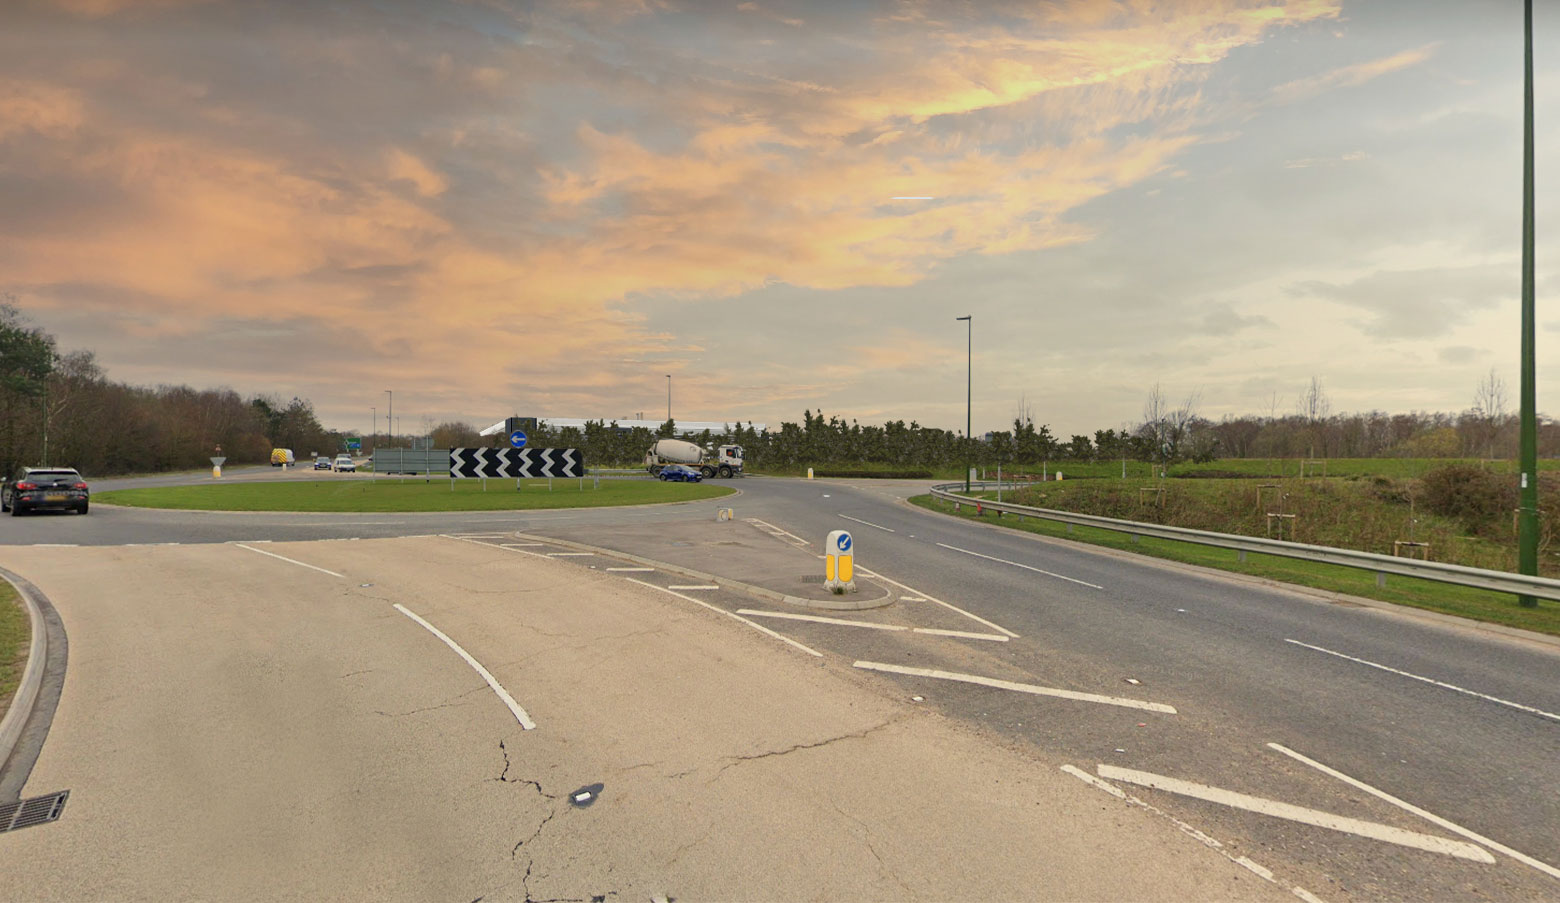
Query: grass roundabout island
[[389, 494]]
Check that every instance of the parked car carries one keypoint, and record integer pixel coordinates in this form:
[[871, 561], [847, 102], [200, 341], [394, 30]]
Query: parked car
[[678, 473], [344, 463], [39, 488], [280, 456], [322, 463]]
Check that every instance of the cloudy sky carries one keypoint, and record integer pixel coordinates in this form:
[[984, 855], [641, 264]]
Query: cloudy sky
[[544, 207]]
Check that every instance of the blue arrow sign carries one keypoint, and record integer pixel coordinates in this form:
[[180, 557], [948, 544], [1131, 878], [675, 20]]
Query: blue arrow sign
[[844, 542], [517, 439]]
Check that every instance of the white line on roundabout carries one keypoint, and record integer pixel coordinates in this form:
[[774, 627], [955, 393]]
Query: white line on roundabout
[[868, 523], [758, 627], [1024, 566], [1442, 684], [923, 597], [1431, 817], [817, 619], [503, 694], [290, 560], [1018, 687], [1290, 812], [1258, 870]]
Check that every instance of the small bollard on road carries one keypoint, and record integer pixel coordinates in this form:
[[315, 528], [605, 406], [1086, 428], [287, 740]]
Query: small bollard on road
[[724, 514], [216, 467], [839, 572], [809, 473]]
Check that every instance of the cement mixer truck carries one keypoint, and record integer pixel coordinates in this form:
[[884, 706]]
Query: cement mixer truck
[[725, 461]]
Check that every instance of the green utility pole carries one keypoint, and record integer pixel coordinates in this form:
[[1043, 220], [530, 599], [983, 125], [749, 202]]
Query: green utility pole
[[968, 397], [1527, 514]]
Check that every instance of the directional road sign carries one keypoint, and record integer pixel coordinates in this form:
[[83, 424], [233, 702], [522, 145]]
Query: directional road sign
[[517, 439]]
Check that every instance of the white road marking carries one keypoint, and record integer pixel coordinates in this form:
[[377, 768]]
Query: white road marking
[[1186, 829], [528, 545], [54, 545], [1442, 684], [1024, 566], [963, 634], [776, 531], [1018, 687], [1346, 825], [514, 707], [632, 570], [290, 560], [694, 586], [912, 598], [489, 545], [818, 620], [868, 523], [569, 554], [1431, 817], [759, 627], [928, 598]]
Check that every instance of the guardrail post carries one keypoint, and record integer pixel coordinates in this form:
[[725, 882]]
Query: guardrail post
[[1381, 580]]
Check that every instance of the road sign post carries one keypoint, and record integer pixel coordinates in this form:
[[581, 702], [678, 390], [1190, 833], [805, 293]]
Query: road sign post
[[216, 466]]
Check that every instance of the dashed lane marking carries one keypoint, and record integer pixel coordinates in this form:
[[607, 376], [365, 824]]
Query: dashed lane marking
[[1200, 837], [503, 694], [290, 560], [631, 570], [1431, 817], [756, 626], [1019, 688], [962, 634], [1290, 812], [570, 554], [1024, 566], [694, 586], [1438, 683]]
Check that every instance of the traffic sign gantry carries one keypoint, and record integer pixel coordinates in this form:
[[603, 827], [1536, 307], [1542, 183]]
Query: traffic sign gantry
[[517, 439]]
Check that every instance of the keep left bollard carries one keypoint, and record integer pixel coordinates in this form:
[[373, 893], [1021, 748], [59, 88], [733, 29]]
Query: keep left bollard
[[839, 572]]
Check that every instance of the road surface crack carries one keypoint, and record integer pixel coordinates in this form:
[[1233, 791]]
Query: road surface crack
[[866, 837], [858, 735]]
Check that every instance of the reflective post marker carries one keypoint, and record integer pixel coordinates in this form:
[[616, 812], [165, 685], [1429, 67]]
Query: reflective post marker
[[839, 572]]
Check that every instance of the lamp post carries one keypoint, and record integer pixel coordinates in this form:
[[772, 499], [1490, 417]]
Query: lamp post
[[389, 423], [375, 428], [668, 398], [1527, 511], [969, 379]]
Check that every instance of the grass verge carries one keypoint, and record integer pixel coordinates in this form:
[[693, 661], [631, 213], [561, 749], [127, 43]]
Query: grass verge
[[1479, 605], [409, 495], [15, 636]]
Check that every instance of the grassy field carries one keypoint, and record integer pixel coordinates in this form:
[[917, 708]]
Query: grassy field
[[15, 635], [409, 495], [1497, 608]]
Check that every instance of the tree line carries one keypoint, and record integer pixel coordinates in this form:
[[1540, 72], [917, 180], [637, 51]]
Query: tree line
[[61, 408]]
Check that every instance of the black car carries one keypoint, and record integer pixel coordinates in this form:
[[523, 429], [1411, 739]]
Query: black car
[[40, 488]]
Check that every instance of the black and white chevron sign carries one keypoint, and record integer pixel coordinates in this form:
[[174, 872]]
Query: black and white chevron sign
[[475, 463]]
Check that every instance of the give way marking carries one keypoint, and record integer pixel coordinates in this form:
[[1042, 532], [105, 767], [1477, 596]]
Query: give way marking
[[1018, 687], [1316, 818], [1024, 566]]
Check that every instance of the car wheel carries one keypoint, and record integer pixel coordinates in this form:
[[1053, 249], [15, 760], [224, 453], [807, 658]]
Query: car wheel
[[82, 509], [16, 509], [725, 471], [5, 504]]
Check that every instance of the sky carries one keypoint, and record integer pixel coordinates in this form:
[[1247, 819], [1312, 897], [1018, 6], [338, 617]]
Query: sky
[[546, 208]]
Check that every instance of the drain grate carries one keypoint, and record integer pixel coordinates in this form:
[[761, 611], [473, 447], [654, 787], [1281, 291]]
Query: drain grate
[[36, 811]]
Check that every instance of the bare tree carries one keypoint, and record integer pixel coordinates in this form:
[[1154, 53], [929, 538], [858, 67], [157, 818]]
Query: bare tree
[[1489, 407], [1165, 425], [1315, 407]]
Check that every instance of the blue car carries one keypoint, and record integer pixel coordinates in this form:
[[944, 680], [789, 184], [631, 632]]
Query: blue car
[[677, 473]]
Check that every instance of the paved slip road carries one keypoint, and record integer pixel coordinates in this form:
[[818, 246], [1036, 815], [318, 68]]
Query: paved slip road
[[1355, 753]]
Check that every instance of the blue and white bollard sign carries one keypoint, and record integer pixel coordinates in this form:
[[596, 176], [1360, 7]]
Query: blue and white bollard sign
[[839, 571]]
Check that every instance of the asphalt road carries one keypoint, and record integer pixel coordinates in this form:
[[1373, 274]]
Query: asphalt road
[[1281, 699]]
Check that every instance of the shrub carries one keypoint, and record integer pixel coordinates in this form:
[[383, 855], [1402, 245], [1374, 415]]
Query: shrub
[[1470, 494]]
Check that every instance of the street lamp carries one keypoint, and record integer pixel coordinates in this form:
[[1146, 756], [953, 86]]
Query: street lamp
[[668, 398], [1527, 510], [969, 378], [375, 428], [390, 424]]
